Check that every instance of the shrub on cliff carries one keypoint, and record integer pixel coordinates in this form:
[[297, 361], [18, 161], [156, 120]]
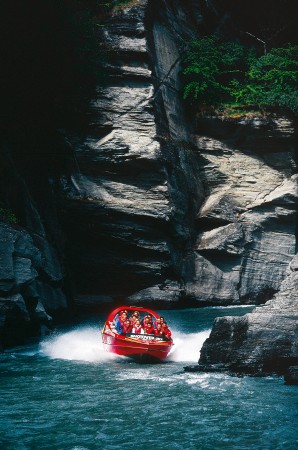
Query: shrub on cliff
[[210, 66], [217, 73], [274, 79]]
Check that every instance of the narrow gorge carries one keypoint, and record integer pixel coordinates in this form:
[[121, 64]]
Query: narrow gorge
[[156, 205]]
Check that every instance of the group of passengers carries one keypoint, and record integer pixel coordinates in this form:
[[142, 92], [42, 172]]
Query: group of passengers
[[136, 325]]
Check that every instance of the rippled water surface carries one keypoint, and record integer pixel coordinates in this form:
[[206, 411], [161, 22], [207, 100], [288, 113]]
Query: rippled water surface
[[69, 394]]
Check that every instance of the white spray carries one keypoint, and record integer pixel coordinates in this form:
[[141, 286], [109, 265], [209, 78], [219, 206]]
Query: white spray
[[84, 344]]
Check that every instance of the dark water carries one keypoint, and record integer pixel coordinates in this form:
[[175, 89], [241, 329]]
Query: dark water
[[68, 394]]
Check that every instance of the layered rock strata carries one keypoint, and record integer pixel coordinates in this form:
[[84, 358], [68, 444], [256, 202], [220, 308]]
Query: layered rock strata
[[32, 274], [129, 205], [247, 224], [166, 210]]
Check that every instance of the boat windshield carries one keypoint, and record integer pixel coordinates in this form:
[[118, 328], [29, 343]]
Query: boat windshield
[[140, 324]]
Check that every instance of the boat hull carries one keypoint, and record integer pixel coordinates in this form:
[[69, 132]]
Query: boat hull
[[140, 350]]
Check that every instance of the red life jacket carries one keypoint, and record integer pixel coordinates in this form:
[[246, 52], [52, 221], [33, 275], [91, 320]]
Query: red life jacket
[[158, 333], [149, 329], [127, 328], [138, 330], [167, 333]]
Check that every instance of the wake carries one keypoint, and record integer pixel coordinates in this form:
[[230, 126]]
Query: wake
[[187, 346], [84, 344], [80, 344]]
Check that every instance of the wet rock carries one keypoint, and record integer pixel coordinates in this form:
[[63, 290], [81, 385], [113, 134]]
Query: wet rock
[[215, 368], [25, 300], [14, 320], [291, 375], [262, 342]]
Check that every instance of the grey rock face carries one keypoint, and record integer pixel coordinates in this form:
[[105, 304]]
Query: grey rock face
[[264, 341], [168, 293], [24, 299], [154, 198], [249, 214], [130, 195]]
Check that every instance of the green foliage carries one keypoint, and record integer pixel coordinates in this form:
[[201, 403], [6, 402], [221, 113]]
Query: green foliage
[[210, 66], [275, 78], [218, 72]]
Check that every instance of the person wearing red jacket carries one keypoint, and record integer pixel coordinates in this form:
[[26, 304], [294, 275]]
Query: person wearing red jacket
[[149, 328], [127, 326], [158, 331], [166, 331]]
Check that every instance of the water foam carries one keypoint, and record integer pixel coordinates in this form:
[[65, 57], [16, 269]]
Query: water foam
[[187, 346], [84, 344], [80, 344]]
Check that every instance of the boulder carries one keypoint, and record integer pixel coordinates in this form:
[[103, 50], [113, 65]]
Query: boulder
[[259, 343]]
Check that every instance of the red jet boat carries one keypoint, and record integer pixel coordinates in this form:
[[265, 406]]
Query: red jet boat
[[140, 347]]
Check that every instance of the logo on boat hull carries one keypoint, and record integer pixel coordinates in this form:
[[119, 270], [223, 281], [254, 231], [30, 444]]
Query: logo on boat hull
[[145, 337]]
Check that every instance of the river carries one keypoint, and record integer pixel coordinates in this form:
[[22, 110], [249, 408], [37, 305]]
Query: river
[[67, 393]]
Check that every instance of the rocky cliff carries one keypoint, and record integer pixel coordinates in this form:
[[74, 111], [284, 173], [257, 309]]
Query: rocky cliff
[[162, 207], [131, 203], [32, 270], [247, 223]]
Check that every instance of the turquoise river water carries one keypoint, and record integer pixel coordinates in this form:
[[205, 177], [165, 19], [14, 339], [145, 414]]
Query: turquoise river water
[[68, 394]]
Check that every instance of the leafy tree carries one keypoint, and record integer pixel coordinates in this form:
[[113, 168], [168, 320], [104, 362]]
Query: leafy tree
[[274, 78], [217, 73], [210, 65]]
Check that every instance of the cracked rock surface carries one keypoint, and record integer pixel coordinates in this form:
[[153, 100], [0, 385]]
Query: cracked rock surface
[[248, 219]]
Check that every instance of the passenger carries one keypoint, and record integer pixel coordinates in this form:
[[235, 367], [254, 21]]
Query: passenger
[[134, 317], [120, 322], [166, 331], [156, 323], [145, 321], [162, 320], [138, 329], [149, 329], [158, 331], [127, 327]]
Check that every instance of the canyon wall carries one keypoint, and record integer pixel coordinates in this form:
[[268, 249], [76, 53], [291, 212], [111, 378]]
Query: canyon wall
[[130, 204], [158, 206], [167, 209], [32, 265]]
